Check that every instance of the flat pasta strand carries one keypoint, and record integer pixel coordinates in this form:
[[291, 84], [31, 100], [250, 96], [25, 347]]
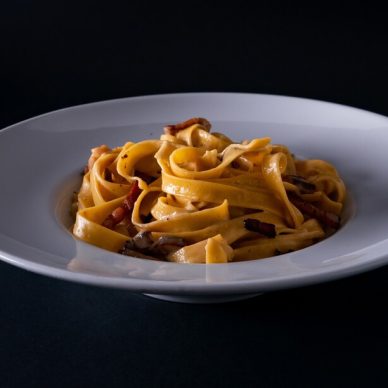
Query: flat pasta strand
[[191, 193]]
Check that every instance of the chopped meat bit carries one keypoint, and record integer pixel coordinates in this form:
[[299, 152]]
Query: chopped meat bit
[[125, 209], [118, 213], [116, 217], [328, 219], [96, 153], [143, 244], [304, 186], [110, 222], [174, 128], [128, 250], [143, 241], [132, 196], [167, 244], [264, 228]]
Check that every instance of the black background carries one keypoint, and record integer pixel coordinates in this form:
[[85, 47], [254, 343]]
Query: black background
[[55, 333]]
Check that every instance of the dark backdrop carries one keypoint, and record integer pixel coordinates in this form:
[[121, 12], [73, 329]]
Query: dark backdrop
[[54, 333]]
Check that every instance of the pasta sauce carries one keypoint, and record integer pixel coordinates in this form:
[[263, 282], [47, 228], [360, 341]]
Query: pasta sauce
[[193, 196]]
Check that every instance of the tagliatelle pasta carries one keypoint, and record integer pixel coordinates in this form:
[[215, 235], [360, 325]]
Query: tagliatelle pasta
[[193, 196]]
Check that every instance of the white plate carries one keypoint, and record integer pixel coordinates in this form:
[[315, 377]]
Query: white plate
[[41, 160]]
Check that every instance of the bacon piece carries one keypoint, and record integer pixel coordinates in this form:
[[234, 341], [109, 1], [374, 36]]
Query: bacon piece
[[132, 196], [264, 228], [174, 128], [95, 154], [328, 219], [125, 209], [304, 186], [116, 217]]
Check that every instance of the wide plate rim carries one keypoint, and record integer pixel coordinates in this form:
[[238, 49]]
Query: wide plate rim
[[174, 287]]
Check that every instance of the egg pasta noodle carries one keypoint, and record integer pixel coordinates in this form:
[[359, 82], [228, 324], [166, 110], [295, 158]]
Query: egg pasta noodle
[[193, 196]]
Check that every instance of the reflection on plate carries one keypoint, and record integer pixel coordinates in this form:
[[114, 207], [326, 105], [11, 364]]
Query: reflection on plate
[[51, 149]]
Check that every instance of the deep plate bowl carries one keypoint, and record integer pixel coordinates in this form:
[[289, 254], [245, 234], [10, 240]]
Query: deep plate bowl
[[41, 160]]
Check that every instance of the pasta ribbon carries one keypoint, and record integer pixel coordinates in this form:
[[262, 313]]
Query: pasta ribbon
[[193, 196]]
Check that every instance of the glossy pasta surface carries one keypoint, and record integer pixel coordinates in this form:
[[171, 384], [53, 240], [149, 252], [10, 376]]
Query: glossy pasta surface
[[196, 196]]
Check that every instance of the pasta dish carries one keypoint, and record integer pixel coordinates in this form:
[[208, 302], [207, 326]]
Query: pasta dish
[[196, 196]]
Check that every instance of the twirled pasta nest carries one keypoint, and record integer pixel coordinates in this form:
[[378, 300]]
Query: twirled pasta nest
[[198, 197]]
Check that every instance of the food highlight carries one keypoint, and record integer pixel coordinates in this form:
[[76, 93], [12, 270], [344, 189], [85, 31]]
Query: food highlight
[[196, 196]]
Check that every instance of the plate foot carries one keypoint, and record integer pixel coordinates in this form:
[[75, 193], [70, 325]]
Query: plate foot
[[202, 299]]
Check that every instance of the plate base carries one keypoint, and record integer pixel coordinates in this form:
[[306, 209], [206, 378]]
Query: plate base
[[202, 299]]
